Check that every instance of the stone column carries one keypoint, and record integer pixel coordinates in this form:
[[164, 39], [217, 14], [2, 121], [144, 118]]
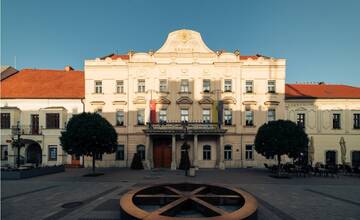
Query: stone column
[[173, 152], [147, 153], [220, 154], [195, 152]]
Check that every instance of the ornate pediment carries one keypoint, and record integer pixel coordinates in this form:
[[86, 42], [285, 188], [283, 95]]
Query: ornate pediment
[[97, 103], [249, 102], [163, 100], [140, 100], [184, 41], [206, 100], [229, 100], [271, 103], [184, 100], [119, 103]]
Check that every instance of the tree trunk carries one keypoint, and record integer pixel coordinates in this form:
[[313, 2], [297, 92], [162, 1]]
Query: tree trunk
[[279, 162], [93, 163]]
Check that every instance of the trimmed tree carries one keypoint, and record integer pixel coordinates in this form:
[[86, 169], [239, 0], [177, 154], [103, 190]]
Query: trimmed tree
[[136, 163], [89, 134], [281, 137]]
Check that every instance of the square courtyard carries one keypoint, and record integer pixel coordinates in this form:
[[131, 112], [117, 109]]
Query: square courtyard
[[98, 197]]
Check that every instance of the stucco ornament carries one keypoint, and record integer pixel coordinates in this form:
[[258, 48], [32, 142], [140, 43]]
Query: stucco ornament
[[184, 41]]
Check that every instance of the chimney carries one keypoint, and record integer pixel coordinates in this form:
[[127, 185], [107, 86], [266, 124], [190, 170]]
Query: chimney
[[68, 68]]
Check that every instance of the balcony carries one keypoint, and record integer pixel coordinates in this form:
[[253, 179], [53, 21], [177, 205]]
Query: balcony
[[177, 127], [28, 130]]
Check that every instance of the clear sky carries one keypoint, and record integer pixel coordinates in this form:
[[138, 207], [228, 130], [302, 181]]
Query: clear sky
[[319, 38]]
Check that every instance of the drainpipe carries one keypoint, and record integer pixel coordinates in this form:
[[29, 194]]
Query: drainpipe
[[83, 105]]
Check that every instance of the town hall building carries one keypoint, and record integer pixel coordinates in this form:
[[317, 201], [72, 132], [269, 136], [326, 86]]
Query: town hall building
[[215, 101]]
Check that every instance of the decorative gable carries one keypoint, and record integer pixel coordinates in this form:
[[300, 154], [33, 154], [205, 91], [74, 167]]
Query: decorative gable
[[206, 100], [184, 100]]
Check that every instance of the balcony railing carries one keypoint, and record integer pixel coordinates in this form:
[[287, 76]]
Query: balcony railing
[[28, 130], [180, 127]]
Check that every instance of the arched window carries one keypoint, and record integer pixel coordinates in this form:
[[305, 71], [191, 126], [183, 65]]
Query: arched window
[[228, 152], [140, 149], [206, 152]]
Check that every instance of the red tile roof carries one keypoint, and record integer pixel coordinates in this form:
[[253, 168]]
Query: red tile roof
[[322, 91], [44, 84]]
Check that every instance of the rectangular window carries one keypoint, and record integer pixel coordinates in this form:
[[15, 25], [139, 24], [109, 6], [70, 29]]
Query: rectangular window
[[120, 118], [336, 121], [120, 152], [5, 120], [206, 152], [206, 115], [206, 85], [249, 152], [301, 120], [271, 115], [271, 86], [184, 85], [227, 85], [52, 120], [140, 116], [249, 115], [98, 87], [4, 152], [184, 115], [249, 86], [162, 115], [228, 152], [141, 85], [227, 117], [119, 86], [163, 85], [52, 152], [356, 121]]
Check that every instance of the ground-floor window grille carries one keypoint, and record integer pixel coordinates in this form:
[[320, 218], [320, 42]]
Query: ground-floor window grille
[[120, 152], [52, 152]]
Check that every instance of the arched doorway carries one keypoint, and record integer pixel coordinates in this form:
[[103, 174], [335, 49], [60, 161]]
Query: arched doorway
[[34, 153]]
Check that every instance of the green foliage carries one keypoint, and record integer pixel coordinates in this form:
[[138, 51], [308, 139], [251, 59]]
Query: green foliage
[[281, 137], [136, 163], [88, 134]]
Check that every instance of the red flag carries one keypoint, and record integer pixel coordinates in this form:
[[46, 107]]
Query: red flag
[[153, 111]]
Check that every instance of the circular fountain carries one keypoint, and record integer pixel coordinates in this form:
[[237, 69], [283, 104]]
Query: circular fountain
[[187, 201]]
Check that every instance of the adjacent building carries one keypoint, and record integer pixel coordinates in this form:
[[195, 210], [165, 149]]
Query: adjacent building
[[39, 103], [184, 92]]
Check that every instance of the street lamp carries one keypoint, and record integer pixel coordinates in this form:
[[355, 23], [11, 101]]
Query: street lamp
[[17, 141]]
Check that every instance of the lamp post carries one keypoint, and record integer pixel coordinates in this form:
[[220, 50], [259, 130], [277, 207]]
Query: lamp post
[[185, 161], [17, 142]]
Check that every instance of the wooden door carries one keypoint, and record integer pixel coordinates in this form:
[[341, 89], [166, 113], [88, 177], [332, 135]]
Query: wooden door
[[34, 124], [75, 160], [162, 154]]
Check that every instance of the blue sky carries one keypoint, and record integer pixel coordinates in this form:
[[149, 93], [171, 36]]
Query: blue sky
[[320, 39]]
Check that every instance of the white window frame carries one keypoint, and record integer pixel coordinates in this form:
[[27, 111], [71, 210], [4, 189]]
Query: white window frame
[[249, 153], [50, 156], [271, 114], [184, 117], [271, 86], [98, 87], [140, 117], [163, 85], [120, 86], [141, 85], [184, 85], [207, 152], [249, 86], [120, 114], [206, 115], [228, 117], [162, 115], [206, 85], [228, 152], [227, 85]]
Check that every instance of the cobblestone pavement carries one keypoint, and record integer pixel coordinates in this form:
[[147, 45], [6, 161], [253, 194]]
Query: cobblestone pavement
[[285, 199]]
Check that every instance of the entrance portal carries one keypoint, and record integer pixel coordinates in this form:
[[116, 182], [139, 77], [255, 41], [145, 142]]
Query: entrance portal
[[162, 153], [34, 154]]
